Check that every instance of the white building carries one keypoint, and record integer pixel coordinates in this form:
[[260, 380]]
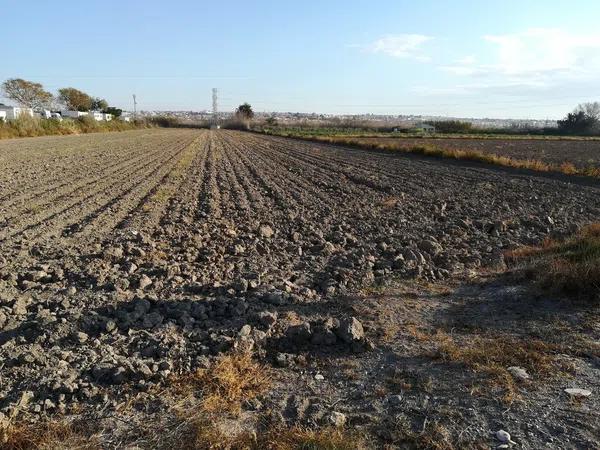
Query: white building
[[44, 114], [425, 128], [96, 115], [73, 114], [2, 115], [125, 117], [12, 112], [108, 117]]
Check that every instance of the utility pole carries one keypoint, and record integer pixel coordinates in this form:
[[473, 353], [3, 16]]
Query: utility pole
[[215, 106], [134, 107]]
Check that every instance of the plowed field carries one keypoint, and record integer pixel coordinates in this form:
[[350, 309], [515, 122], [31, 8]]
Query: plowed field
[[128, 258], [581, 153]]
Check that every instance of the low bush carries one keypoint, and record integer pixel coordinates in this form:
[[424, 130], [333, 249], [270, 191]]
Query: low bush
[[236, 124], [165, 121]]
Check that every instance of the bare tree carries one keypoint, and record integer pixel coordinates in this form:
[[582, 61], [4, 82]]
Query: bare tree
[[27, 93], [590, 109]]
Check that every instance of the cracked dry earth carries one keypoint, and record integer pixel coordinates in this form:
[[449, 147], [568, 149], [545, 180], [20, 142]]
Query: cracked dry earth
[[131, 258]]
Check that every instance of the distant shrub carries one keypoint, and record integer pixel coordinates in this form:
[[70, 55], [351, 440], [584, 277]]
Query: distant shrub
[[165, 121], [452, 126], [25, 125], [87, 124], [235, 124]]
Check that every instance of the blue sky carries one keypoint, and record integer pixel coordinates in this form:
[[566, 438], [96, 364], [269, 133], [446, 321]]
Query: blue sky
[[519, 59]]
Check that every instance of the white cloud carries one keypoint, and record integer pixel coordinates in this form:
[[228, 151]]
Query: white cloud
[[537, 55], [401, 46], [543, 50]]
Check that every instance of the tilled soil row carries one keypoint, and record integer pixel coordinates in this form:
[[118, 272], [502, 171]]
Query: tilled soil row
[[66, 206], [56, 167], [580, 152], [199, 242]]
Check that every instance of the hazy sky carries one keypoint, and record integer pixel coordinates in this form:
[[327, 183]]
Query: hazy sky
[[520, 59]]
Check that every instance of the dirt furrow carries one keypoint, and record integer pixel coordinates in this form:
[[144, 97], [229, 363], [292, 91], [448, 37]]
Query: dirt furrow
[[94, 157], [275, 189], [109, 215], [328, 178], [39, 200], [80, 201]]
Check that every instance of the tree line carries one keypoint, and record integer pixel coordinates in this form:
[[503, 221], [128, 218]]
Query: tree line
[[29, 94], [584, 120]]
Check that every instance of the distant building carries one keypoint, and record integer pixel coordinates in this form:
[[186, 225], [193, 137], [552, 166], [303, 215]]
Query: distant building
[[125, 117], [73, 114], [106, 116], [2, 115], [44, 113], [96, 115], [13, 112], [425, 128]]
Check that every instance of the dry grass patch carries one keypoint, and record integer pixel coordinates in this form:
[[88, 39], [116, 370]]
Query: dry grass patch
[[233, 379], [195, 430], [209, 437], [571, 266], [404, 380], [298, 438], [48, 436], [492, 355], [433, 435], [390, 202]]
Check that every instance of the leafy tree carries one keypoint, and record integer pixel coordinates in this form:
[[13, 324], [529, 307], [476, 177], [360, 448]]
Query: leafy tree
[[271, 121], [99, 104], [75, 99], [244, 112], [27, 93], [116, 112]]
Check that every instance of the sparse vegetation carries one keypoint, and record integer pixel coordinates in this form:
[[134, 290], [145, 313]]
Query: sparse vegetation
[[571, 266], [27, 126], [194, 431], [492, 355], [207, 436], [233, 379], [50, 435]]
